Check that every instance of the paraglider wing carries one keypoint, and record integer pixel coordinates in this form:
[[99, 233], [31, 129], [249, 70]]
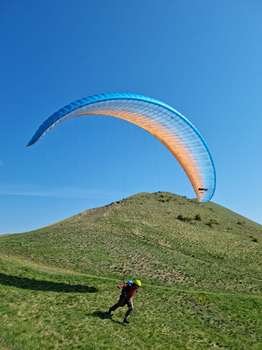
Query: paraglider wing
[[174, 130]]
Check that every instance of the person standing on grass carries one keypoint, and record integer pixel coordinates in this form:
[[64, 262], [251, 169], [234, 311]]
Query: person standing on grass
[[128, 293]]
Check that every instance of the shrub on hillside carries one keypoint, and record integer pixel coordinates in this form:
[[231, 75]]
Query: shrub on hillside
[[184, 218], [198, 217], [212, 222]]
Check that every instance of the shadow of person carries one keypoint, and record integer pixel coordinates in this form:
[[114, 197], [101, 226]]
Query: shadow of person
[[104, 315], [46, 286], [101, 314]]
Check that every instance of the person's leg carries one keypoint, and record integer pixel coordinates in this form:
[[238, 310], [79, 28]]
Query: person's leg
[[120, 303], [114, 307], [129, 310]]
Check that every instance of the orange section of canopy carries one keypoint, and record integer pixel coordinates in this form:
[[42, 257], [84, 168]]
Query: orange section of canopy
[[170, 140]]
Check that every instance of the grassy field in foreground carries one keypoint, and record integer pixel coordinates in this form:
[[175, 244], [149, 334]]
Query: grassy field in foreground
[[200, 265], [43, 308]]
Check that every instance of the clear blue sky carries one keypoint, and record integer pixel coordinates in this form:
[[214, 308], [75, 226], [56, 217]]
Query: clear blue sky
[[201, 57]]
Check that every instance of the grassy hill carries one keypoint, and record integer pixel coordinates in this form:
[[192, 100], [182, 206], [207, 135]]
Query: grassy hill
[[201, 267]]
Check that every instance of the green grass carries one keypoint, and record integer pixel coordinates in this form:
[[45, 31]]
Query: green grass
[[202, 279], [37, 314]]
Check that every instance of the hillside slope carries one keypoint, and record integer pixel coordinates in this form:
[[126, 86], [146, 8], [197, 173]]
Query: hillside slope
[[160, 237], [200, 265]]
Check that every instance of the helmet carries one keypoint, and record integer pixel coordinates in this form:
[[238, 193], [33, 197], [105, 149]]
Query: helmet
[[137, 283]]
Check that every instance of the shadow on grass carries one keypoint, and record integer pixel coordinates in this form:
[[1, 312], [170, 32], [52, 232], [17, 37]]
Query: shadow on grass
[[103, 315], [48, 286]]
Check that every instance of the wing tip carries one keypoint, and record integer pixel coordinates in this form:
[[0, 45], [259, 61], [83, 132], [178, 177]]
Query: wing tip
[[31, 142]]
